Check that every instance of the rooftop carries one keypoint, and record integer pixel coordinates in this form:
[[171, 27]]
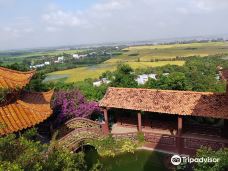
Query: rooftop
[[188, 103], [12, 79], [27, 111]]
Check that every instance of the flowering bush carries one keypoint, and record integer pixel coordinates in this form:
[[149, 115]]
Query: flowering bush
[[71, 103]]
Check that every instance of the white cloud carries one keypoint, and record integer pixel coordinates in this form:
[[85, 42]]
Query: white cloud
[[62, 18], [210, 5], [115, 20]]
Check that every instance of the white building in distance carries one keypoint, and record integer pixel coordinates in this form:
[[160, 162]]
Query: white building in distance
[[142, 79], [102, 81], [75, 56], [61, 58], [47, 63]]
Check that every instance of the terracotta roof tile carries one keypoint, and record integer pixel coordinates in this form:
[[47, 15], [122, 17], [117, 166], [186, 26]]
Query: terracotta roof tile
[[29, 110], [167, 101], [14, 79]]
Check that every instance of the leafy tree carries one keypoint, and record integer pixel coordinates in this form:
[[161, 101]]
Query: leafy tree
[[124, 77], [91, 92], [221, 165], [109, 146], [27, 153]]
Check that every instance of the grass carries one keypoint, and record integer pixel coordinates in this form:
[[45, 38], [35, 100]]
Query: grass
[[146, 54]]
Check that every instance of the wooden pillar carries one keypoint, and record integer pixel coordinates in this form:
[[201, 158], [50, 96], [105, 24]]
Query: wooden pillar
[[180, 125], [139, 122], [179, 134], [105, 126], [225, 128]]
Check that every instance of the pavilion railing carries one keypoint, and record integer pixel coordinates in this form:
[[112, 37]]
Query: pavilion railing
[[196, 143], [161, 139], [130, 135], [173, 143], [149, 137]]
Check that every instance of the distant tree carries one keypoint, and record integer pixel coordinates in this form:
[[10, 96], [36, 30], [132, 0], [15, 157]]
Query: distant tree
[[18, 67], [107, 74], [174, 81], [124, 77], [91, 92]]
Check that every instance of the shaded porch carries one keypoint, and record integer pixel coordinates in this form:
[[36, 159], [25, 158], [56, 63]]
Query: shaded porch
[[172, 133]]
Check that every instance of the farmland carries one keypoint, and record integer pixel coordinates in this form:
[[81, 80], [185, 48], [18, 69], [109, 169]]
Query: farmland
[[9, 57], [150, 53], [144, 56], [81, 73]]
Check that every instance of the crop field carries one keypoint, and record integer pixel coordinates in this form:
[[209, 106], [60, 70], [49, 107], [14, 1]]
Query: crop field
[[81, 73], [9, 57], [150, 53], [144, 56]]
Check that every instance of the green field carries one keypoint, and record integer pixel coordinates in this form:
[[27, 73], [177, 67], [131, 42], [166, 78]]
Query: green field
[[141, 57], [149, 53], [81, 73], [9, 57]]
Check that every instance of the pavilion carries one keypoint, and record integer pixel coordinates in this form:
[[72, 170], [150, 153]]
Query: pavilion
[[161, 115], [20, 109]]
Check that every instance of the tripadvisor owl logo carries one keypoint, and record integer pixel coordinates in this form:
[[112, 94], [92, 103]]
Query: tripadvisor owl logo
[[176, 160]]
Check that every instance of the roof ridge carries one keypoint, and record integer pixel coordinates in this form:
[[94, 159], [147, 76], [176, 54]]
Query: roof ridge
[[160, 90], [45, 92], [19, 72], [26, 106]]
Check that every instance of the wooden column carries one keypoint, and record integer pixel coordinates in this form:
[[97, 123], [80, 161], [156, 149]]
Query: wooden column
[[106, 124], [180, 125], [225, 128], [179, 134], [139, 122]]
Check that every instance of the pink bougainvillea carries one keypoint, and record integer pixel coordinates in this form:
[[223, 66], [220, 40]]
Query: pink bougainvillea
[[71, 103]]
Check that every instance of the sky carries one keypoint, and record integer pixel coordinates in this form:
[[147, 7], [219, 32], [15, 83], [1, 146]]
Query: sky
[[48, 23]]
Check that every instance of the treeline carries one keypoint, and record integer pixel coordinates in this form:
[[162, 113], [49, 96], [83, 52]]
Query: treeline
[[177, 58]]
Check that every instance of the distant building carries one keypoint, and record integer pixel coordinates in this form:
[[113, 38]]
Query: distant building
[[47, 63], [37, 66], [102, 81], [61, 58], [76, 56], [165, 74], [142, 79], [92, 53], [83, 56]]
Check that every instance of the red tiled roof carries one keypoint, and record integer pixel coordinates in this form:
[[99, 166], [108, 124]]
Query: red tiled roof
[[12, 79], [27, 111], [204, 104]]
